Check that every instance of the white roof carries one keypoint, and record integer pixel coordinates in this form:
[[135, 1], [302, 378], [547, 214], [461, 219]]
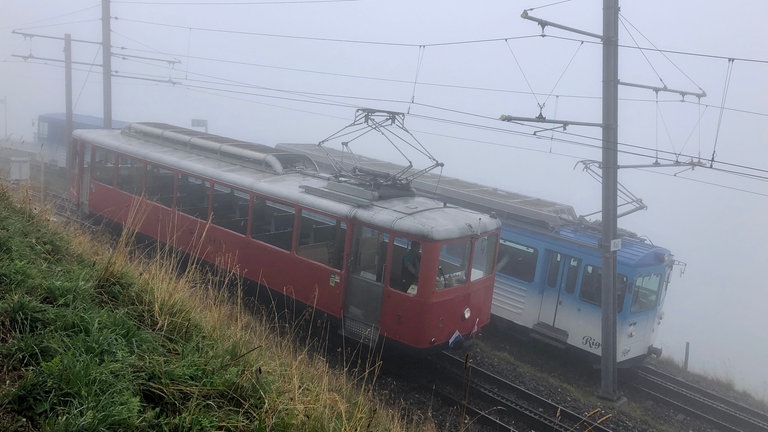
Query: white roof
[[417, 216]]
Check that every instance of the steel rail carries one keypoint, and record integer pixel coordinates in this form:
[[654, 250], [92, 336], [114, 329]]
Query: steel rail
[[719, 411]]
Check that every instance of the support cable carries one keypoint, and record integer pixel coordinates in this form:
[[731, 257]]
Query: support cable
[[547, 5], [88, 74], [656, 129], [189, 45], [623, 24], [419, 62], [578, 48], [728, 75], [662, 52], [696, 127], [698, 124], [520, 67]]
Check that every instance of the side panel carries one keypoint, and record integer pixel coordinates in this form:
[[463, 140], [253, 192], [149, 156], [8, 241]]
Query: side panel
[[313, 285], [517, 293]]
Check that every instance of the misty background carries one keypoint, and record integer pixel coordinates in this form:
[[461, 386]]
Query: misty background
[[295, 71]]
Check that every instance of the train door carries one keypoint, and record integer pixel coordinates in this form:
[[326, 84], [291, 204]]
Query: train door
[[363, 296], [644, 309], [559, 286]]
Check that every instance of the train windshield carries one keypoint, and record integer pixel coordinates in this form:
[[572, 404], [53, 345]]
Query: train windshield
[[454, 260], [482, 258], [646, 294]]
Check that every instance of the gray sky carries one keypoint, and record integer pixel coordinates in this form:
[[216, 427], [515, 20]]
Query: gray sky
[[296, 71]]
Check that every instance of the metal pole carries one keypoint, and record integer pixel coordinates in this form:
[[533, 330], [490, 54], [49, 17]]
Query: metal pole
[[68, 93], [609, 387], [106, 48]]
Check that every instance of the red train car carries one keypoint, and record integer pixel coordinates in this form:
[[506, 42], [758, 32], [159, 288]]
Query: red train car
[[269, 215]]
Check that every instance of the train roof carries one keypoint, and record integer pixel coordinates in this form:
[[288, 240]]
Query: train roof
[[417, 216], [81, 120], [634, 251], [506, 204], [518, 209]]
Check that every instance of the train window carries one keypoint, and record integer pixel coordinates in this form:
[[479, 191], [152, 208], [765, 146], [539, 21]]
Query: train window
[[571, 274], [591, 285], [370, 255], [553, 271], [592, 289], [272, 223], [103, 166], [646, 293], [622, 285], [482, 258], [321, 238], [159, 187], [192, 196], [130, 175], [229, 208], [452, 270], [42, 130], [519, 261]]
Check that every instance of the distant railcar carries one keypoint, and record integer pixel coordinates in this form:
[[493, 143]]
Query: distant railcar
[[269, 215], [549, 264], [53, 136]]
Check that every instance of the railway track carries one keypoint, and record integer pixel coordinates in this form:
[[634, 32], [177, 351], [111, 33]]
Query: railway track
[[720, 412], [504, 406]]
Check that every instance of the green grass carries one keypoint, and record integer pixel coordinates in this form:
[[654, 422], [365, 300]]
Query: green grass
[[93, 337]]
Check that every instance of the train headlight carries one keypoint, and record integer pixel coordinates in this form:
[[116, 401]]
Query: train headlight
[[467, 313], [632, 327]]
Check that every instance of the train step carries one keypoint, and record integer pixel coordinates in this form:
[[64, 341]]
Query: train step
[[364, 332], [550, 334]]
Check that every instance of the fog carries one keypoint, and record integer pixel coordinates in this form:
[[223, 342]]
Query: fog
[[295, 71]]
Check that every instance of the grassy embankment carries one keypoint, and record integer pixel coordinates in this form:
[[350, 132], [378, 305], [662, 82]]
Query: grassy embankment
[[95, 338]]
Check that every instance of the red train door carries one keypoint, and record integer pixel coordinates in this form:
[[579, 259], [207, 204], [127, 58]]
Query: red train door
[[365, 287]]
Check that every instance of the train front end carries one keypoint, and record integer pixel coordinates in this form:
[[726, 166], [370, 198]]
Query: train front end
[[434, 269]]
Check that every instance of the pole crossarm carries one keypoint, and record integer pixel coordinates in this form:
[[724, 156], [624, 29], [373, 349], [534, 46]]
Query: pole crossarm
[[564, 123], [545, 23], [33, 35], [665, 89]]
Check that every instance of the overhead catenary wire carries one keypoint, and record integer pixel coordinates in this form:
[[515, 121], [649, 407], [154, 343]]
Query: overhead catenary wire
[[762, 175], [338, 96], [672, 158], [422, 83], [230, 3], [442, 85], [434, 44], [30, 25]]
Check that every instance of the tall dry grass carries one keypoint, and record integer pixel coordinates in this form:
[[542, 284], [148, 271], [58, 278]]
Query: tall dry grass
[[222, 365]]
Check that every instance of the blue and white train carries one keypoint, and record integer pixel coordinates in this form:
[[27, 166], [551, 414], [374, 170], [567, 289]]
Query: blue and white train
[[549, 264]]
